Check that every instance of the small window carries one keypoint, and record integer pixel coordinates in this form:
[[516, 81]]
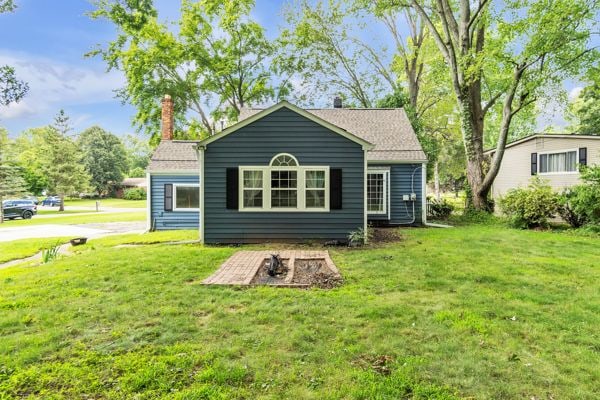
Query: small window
[[558, 162], [377, 192], [315, 189], [187, 197], [253, 189], [284, 160]]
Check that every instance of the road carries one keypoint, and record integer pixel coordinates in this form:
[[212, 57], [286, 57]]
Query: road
[[84, 230]]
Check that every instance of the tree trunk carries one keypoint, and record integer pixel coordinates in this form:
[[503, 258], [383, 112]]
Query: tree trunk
[[1, 210], [62, 203], [436, 180]]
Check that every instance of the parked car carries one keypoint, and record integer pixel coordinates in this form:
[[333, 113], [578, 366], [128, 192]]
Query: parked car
[[19, 209], [52, 201], [32, 198]]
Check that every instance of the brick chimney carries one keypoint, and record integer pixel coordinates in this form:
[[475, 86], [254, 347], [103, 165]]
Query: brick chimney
[[167, 118]]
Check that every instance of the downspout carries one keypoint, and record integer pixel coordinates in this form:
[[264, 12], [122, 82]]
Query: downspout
[[201, 150], [424, 194], [148, 202], [365, 227]]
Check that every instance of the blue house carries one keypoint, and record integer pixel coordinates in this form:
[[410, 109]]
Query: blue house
[[289, 174]]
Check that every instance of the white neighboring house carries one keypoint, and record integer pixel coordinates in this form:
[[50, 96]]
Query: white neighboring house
[[554, 157]]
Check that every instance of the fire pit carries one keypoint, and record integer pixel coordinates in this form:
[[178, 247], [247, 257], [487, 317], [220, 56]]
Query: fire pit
[[289, 268]]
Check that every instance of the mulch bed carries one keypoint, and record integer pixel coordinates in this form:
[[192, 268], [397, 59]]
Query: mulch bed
[[305, 273], [386, 235]]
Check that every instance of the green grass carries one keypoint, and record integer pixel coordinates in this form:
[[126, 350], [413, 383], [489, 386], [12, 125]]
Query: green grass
[[80, 219], [18, 249], [106, 203], [470, 312]]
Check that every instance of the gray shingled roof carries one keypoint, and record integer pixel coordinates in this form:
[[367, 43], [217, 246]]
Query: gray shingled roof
[[387, 128], [174, 155]]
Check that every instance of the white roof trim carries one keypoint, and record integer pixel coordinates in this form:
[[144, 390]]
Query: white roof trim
[[366, 145], [545, 136]]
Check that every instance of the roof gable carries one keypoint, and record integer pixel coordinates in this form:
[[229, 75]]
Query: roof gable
[[261, 114], [544, 136]]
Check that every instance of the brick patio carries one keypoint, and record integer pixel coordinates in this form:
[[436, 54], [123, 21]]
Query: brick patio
[[241, 267]]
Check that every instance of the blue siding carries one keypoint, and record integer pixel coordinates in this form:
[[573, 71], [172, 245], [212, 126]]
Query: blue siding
[[401, 183], [165, 220], [283, 131]]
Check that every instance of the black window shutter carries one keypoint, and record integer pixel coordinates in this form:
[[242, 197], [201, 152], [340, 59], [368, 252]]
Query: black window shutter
[[335, 189], [232, 189], [583, 156], [168, 197], [534, 166]]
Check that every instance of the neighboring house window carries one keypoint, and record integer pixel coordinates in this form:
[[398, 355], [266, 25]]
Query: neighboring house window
[[186, 197], [284, 185], [558, 162], [377, 191]]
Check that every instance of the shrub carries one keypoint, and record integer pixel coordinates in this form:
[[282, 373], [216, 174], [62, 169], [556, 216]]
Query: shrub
[[360, 236], [580, 205], [530, 207], [135, 194], [440, 209]]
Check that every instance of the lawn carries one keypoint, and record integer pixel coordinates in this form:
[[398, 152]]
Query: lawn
[[106, 203], [79, 219], [470, 312], [27, 247]]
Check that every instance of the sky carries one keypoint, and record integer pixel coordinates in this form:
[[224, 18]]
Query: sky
[[46, 41]]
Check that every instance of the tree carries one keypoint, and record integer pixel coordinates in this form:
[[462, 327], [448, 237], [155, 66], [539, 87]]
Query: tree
[[104, 158], [513, 56], [62, 123], [63, 165], [11, 181], [12, 90], [216, 63], [138, 155], [586, 108], [30, 148]]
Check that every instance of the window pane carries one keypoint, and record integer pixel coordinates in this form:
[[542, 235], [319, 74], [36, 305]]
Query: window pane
[[284, 179], [253, 179], [559, 162], [187, 197], [253, 198], [315, 179], [284, 198], [375, 192], [315, 198]]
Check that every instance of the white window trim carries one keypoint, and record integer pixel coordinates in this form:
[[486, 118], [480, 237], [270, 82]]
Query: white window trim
[[287, 155], [386, 188], [539, 163], [175, 186], [301, 188]]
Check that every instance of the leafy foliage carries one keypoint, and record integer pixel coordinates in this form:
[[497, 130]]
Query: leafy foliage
[[530, 207], [214, 64], [11, 180], [586, 108], [104, 157], [580, 205], [440, 209], [12, 89], [135, 194]]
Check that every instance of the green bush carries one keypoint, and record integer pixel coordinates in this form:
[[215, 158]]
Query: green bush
[[135, 194], [580, 205], [440, 209], [530, 207]]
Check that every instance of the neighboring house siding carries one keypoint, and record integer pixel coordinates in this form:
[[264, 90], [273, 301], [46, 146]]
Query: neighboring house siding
[[283, 131], [515, 170], [402, 181], [166, 220]]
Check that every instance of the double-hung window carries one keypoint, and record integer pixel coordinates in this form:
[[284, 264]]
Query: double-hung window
[[558, 162], [284, 185], [377, 191], [186, 197]]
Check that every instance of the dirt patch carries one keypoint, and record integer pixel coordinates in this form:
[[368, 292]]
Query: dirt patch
[[386, 235], [381, 363], [315, 272], [262, 277]]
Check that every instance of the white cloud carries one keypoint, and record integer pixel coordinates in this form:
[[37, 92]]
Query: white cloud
[[575, 92], [54, 84]]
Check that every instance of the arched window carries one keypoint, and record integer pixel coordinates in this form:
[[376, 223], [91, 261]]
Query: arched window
[[284, 160]]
